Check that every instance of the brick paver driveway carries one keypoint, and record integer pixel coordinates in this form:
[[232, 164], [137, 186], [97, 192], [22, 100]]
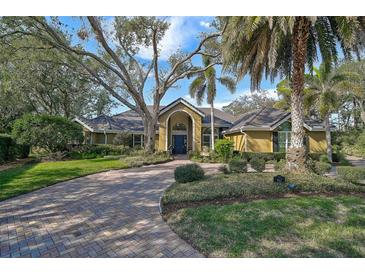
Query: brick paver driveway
[[110, 214]]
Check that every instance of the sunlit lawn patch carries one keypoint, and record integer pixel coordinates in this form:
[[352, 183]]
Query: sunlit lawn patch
[[293, 227]]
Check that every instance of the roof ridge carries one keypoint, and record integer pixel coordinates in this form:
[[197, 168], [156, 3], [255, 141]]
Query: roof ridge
[[254, 116]]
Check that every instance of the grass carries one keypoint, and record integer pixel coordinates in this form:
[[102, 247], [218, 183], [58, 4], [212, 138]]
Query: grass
[[251, 185], [292, 227], [26, 178]]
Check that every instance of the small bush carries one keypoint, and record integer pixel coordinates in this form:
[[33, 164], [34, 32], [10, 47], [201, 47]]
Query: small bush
[[324, 158], [224, 149], [321, 168], [10, 150], [188, 173], [280, 165], [258, 163], [351, 174], [237, 165]]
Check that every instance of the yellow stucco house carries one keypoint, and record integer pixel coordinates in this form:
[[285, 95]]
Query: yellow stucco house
[[184, 127]]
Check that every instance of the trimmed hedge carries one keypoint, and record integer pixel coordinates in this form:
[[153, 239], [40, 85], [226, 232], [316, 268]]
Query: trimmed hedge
[[87, 151], [188, 173], [351, 174], [267, 156], [10, 150], [237, 165], [258, 163]]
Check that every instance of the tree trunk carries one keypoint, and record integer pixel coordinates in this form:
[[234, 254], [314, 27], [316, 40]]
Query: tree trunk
[[296, 154], [149, 133], [212, 126], [362, 112], [356, 122], [327, 126]]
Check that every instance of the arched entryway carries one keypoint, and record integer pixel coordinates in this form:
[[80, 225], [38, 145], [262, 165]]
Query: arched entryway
[[180, 132]]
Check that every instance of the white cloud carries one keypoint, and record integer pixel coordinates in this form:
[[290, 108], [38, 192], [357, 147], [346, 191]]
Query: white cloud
[[204, 24], [178, 35]]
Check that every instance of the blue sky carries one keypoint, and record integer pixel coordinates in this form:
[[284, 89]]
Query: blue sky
[[183, 33]]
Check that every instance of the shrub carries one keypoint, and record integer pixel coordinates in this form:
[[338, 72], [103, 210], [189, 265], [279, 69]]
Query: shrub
[[224, 149], [324, 158], [321, 168], [88, 151], [258, 163], [123, 138], [195, 156], [280, 165], [267, 156], [53, 133], [10, 150], [237, 165], [351, 174], [188, 173]]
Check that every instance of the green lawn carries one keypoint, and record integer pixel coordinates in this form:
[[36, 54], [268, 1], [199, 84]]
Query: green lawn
[[251, 185], [293, 227], [23, 179]]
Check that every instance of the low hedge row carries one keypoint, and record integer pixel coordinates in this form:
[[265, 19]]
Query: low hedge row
[[87, 151], [10, 150], [267, 156], [351, 174]]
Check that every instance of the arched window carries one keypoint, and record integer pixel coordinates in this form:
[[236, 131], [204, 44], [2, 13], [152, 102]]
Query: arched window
[[179, 126], [207, 134]]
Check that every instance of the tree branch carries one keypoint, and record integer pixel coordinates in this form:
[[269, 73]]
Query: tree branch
[[188, 57]]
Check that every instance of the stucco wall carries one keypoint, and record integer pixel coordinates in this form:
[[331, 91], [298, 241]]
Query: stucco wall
[[238, 140], [197, 124], [259, 141], [317, 141]]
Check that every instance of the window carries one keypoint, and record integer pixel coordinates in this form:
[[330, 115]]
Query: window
[[281, 137], [179, 126], [138, 140], [207, 134], [283, 141]]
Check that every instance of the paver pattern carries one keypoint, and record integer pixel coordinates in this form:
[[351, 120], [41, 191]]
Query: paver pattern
[[110, 214]]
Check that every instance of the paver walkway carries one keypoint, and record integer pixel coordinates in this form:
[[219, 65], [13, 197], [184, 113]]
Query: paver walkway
[[110, 214]]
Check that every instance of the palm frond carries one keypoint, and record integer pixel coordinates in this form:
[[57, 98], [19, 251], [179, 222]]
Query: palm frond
[[228, 82]]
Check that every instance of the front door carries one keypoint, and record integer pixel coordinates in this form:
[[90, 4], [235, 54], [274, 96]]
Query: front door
[[179, 144]]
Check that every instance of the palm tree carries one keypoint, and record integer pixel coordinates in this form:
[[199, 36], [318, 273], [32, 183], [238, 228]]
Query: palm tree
[[204, 85], [282, 46], [355, 72], [321, 96], [325, 88]]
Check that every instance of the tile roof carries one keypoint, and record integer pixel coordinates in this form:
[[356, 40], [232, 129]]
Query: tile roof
[[263, 119]]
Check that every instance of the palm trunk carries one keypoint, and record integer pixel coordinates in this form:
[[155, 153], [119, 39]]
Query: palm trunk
[[296, 154], [212, 126], [327, 126]]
